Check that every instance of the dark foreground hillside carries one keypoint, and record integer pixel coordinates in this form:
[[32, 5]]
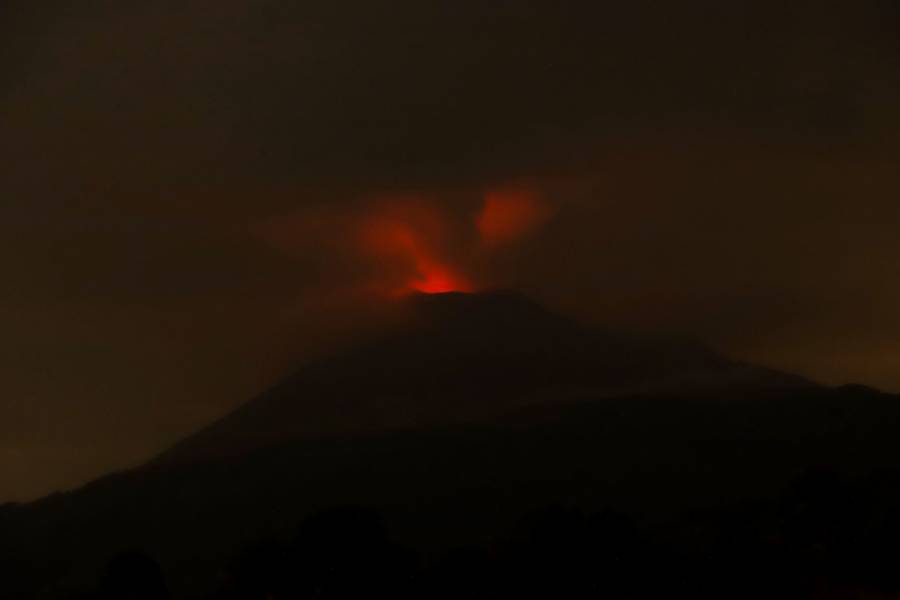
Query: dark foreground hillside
[[796, 495]]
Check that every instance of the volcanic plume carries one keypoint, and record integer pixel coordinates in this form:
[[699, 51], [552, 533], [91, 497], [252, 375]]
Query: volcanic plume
[[429, 242], [412, 237], [408, 238], [509, 215]]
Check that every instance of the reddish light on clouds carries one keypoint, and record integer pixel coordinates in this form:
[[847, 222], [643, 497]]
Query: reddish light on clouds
[[509, 215], [437, 280], [403, 242]]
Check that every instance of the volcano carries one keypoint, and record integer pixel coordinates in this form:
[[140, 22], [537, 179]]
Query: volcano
[[475, 410], [459, 358]]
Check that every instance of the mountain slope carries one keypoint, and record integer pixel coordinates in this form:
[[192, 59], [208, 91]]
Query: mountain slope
[[465, 358], [657, 457], [478, 409]]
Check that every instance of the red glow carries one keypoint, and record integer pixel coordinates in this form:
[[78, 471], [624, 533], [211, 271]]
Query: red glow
[[509, 215], [405, 240], [438, 282]]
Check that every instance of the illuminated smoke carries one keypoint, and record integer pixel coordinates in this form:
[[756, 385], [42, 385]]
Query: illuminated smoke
[[510, 215], [406, 237], [407, 243]]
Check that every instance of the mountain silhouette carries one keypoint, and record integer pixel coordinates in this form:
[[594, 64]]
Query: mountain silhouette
[[466, 358], [474, 411]]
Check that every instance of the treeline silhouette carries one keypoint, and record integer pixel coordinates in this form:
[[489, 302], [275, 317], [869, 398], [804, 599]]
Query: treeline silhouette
[[825, 537]]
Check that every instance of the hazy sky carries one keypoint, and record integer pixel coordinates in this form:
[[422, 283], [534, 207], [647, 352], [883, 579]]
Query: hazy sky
[[181, 179]]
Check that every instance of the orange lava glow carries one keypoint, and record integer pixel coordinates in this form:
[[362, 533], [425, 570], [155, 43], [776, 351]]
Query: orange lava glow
[[438, 281], [509, 215], [404, 242]]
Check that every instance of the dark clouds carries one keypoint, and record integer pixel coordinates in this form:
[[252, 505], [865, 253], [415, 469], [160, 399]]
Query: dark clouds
[[722, 168], [396, 92]]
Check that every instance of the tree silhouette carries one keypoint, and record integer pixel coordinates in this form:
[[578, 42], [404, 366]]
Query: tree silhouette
[[133, 576]]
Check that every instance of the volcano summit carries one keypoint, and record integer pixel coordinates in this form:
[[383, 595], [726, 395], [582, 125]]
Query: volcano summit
[[458, 358]]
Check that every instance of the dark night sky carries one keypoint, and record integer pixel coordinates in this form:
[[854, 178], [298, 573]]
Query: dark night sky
[[180, 180]]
